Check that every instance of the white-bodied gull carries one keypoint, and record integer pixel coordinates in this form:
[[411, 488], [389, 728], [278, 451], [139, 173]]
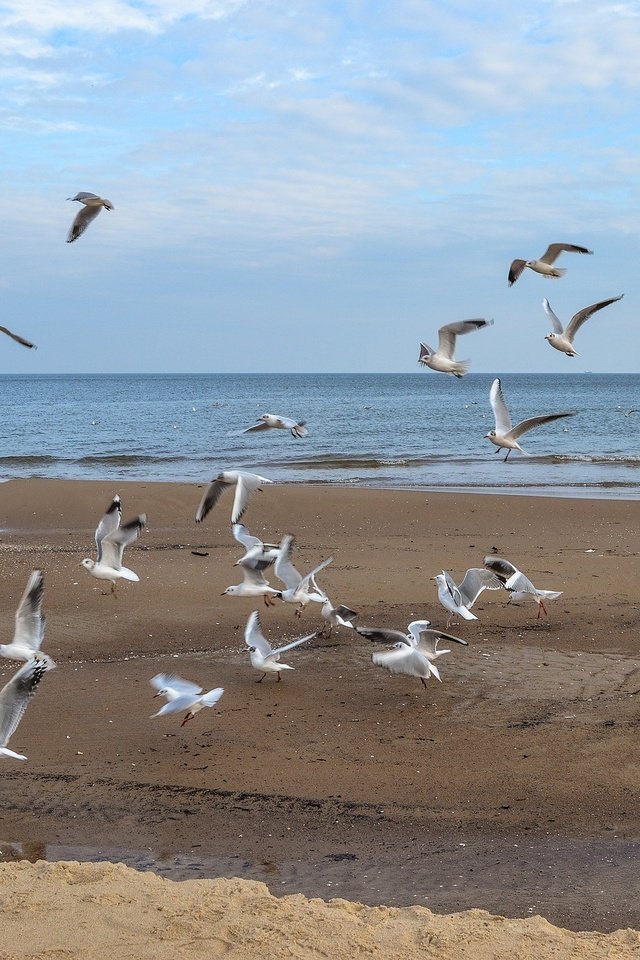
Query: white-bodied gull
[[505, 435], [562, 337], [458, 599], [412, 653], [245, 484], [182, 695], [271, 421], [519, 586], [298, 589], [442, 359], [262, 655], [92, 205], [544, 265], [111, 540]]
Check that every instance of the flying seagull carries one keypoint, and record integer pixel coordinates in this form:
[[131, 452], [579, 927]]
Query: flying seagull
[[562, 338], [258, 555], [519, 586], [505, 435], [182, 695], [28, 633], [18, 339], [244, 483], [111, 540], [299, 590], [412, 653], [545, 264], [15, 697], [458, 599], [253, 585], [262, 655], [271, 421], [92, 205], [442, 358]]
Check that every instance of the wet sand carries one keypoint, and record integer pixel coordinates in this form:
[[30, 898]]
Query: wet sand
[[511, 786]]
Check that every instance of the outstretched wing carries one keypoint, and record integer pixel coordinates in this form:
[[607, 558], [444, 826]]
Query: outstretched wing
[[29, 628], [583, 315], [555, 322], [254, 637], [243, 536], [499, 407], [475, 580], [381, 635], [177, 685], [260, 425], [211, 496], [16, 694], [502, 568], [17, 338], [554, 250], [114, 544], [283, 568], [109, 523], [447, 334], [247, 484], [532, 422], [515, 270], [83, 218], [289, 646]]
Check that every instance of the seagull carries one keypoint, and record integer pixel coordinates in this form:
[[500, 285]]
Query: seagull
[[18, 339], [458, 599], [505, 435], [442, 358], [263, 656], [111, 540], [545, 264], [245, 484], [412, 653], [258, 555], [253, 585], [299, 590], [339, 616], [520, 587], [182, 695], [30, 622], [15, 697], [271, 421], [562, 338], [93, 204]]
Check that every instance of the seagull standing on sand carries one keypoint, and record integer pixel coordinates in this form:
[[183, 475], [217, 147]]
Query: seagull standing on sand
[[299, 590], [519, 586], [245, 484], [442, 359], [262, 655], [270, 421], [562, 339], [544, 265], [15, 697], [182, 695], [92, 205], [17, 338], [28, 633], [505, 435], [412, 653], [458, 599], [111, 540]]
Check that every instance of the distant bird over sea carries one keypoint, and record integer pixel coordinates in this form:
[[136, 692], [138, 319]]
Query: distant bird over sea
[[544, 265], [182, 695], [412, 653], [245, 484], [28, 633], [15, 697], [18, 338], [111, 540], [457, 599], [505, 435], [270, 421], [519, 586], [92, 205], [562, 338], [442, 359], [262, 655]]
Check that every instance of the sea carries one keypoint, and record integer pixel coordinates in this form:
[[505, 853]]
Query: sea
[[404, 430]]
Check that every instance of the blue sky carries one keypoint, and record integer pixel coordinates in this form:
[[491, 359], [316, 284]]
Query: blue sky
[[315, 185]]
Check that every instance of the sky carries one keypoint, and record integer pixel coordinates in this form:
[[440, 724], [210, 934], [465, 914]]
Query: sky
[[316, 186]]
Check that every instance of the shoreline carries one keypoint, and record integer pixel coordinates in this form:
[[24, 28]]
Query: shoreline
[[521, 757]]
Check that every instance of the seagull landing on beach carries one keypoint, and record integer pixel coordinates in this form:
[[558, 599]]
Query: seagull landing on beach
[[182, 695], [111, 540], [253, 585], [299, 590], [262, 655], [544, 265], [245, 484], [258, 555], [15, 697], [412, 653], [270, 421], [442, 359], [505, 435], [562, 338], [457, 599], [92, 205], [30, 622], [18, 339], [519, 586]]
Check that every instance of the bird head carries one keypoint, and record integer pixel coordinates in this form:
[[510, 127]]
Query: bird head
[[88, 564], [490, 436]]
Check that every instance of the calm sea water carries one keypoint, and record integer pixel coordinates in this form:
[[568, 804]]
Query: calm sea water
[[403, 430]]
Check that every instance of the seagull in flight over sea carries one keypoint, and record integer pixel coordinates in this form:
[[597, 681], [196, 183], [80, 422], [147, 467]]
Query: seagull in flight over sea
[[15, 697], [562, 338], [519, 586], [92, 205], [270, 421], [457, 599], [442, 359], [18, 339], [544, 265], [299, 590], [28, 633], [505, 435], [412, 653], [245, 485], [111, 540], [262, 655], [182, 695]]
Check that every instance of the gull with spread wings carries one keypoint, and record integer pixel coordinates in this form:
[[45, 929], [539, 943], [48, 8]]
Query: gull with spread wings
[[505, 435], [15, 697], [262, 655], [28, 633], [442, 359], [245, 485], [562, 337], [412, 653], [111, 540], [458, 599], [271, 421], [519, 586], [182, 695], [544, 265], [298, 589], [92, 205]]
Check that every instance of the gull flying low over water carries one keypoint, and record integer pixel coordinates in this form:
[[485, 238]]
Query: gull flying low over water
[[562, 338], [111, 540], [15, 697], [182, 695], [544, 265], [92, 205], [519, 586], [271, 421], [258, 555], [18, 338], [245, 485], [412, 653], [442, 359], [299, 590], [505, 435], [457, 599], [30, 622], [262, 655]]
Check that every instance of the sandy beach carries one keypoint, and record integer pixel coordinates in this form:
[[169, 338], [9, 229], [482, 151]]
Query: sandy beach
[[511, 787]]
